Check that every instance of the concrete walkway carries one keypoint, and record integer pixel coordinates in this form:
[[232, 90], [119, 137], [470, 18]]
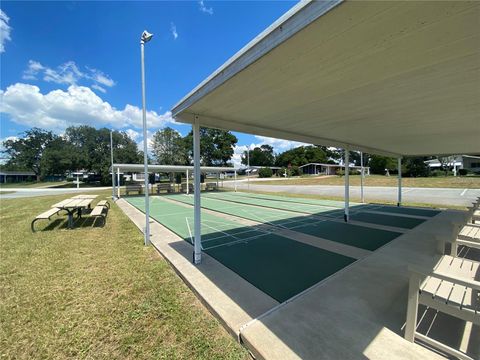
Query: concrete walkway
[[438, 196]]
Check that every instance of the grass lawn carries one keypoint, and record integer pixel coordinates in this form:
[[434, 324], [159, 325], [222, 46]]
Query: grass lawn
[[467, 182], [95, 293]]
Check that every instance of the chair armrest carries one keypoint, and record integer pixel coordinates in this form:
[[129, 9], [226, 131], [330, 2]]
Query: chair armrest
[[456, 279]]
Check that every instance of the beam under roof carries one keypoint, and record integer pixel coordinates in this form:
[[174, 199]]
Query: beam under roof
[[170, 168], [385, 77]]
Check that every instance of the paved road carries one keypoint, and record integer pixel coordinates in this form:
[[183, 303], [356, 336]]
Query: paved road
[[30, 192], [439, 196]]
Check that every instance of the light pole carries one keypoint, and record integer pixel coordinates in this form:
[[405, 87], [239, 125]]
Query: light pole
[[361, 177], [146, 37], [111, 158], [248, 167]]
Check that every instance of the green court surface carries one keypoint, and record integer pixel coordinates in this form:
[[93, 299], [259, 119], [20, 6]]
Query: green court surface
[[409, 211], [328, 203], [380, 219], [278, 266], [353, 235]]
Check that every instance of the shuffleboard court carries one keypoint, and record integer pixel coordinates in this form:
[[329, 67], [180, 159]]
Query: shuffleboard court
[[348, 234], [331, 203], [380, 219], [409, 211], [327, 203], [278, 266]]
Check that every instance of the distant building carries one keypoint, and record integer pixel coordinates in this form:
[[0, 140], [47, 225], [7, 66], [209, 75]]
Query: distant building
[[329, 169], [253, 170], [16, 176], [467, 162]]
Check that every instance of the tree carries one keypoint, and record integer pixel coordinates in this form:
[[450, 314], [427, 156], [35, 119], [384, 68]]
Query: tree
[[446, 162], [169, 147], [27, 152], [302, 155], [92, 147], [379, 163], [58, 157], [415, 166], [259, 156], [216, 146]]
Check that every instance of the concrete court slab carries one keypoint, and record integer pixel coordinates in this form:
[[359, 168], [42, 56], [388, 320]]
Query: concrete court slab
[[233, 300], [357, 313]]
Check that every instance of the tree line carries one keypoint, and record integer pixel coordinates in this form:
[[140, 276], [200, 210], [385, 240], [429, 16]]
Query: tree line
[[291, 159], [87, 148]]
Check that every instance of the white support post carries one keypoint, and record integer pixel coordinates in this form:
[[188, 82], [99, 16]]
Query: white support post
[[412, 308], [197, 253], [362, 175], [187, 183], [347, 185], [235, 180], [399, 166], [118, 183]]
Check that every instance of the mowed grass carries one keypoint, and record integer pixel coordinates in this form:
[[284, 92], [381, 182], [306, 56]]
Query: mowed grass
[[467, 182], [96, 293]]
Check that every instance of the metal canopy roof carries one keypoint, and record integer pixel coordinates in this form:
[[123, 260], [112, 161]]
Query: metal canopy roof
[[392, 78], [170, 168]]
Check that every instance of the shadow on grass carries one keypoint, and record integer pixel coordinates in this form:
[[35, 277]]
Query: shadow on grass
[[61, 223]]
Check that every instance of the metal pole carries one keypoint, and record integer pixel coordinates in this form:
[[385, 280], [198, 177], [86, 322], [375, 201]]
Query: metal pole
[[187, 183], [399, 181], [78, 182], [197, 253], [118, 183], [145, 151], [248, 168], [235, 180], [111, 157], [347, 185], [361, 177]]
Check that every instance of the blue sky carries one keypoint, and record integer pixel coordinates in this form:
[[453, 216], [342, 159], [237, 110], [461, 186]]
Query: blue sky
[[71, 63]]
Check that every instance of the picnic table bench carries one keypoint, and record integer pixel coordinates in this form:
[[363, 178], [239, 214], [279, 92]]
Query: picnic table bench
[[211, 186], [169, 188], [133, 188], [45, 216], [184, 187]]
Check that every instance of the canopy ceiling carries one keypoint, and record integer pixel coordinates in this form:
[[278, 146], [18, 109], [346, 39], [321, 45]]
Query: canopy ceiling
[[393, 78]]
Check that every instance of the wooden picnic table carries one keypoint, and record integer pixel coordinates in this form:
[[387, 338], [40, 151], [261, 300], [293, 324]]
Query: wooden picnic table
[[85, 197], [71, 206]]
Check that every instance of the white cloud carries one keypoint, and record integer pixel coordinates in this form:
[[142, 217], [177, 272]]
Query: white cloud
[[173, 30], [5, 30], [204, 8], [68, 74], [279, 145], [99, 88], [58, 109]]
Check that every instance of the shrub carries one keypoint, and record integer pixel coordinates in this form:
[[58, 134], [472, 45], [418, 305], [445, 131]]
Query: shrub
[[340, 172], [462, 172], [295, 171], [265, 172]]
